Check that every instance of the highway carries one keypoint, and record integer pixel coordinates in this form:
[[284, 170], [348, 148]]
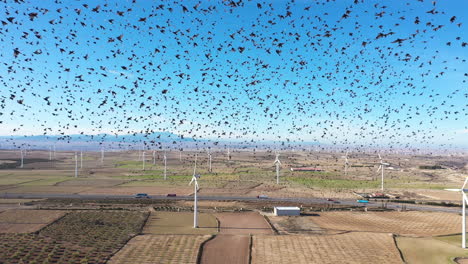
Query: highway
[[304, 201]]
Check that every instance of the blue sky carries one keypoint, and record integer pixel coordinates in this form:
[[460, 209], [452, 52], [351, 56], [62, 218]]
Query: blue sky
[[214, 71]]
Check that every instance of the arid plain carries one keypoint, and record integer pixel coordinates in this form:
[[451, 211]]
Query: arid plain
[[231, 230]]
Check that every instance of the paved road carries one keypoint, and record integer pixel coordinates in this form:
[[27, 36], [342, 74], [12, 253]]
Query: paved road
[[304, 201]]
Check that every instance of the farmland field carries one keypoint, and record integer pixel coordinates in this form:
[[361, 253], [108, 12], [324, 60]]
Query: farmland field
[[160, 249], [248, 173], [296, 225], [232, 249], [429, 250], [353, 247], [78, 237], [131, 190], [180, 223], [243, 223], [27, 221], [403, 223]]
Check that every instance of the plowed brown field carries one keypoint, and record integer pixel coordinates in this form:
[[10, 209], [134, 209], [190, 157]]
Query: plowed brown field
[[243, 223], [403, 223], [160, 249], [323, 249], [26, 221], [232, 249]]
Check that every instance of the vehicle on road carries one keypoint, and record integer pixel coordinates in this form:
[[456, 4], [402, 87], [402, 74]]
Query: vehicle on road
[[330, 200], [171, 195], [142, 195], [362, 201], [262, 196]]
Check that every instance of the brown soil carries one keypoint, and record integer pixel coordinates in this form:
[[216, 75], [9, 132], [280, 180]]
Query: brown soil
[[91, 182], [227, 249], [243, 223], [322, 249], [403, 223], [160, 249], [153, 190], [296, 225], [27, 221], [49, 189], [220, 191]]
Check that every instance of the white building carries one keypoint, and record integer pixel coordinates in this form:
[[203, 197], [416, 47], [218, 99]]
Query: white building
[[279, 211]]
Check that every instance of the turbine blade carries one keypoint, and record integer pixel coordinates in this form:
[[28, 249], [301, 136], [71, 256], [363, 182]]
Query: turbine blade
[[454, 190], [380, 167], [380, 157], [466, 179]]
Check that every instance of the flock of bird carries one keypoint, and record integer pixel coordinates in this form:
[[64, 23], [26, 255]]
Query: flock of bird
[[345, 72]]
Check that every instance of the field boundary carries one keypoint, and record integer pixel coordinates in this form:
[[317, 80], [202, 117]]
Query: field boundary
[[53, 222], [128, 240], [398, 248], [270, 224], [140, 232], [250, 248], [218, 224], [200, 249]]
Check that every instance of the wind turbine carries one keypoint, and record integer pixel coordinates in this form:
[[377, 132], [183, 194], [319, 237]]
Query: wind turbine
[[50, 153], [22, 158], [165, 165], [144, 159], [154, 157], [209, 161], [81, 161], [228, 154], [464, 202], [382, 167], [346, 164], [102, 155], [278, 164], [195, 178], [76, 165]]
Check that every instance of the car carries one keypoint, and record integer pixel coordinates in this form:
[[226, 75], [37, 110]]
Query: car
[[171, 195], [362, 201], [262, 196], [142, 195], [330, 200]]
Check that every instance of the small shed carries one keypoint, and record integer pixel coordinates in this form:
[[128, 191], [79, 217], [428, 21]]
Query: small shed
[[280, 211]]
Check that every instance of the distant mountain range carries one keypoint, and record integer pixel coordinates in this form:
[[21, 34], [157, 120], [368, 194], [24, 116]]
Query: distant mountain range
[[130, 138], [134, 141]]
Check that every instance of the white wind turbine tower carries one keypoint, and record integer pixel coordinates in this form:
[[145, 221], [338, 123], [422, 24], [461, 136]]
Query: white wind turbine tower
[[464, 202], [76, 165], [209, 161], [81, 159], [22, 158], [154, 157], [278, 164], [382, 167], [346, 164], [144, 159], [195, 178], [50, 153], [102, 155], [165, 165], [228, 154]]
